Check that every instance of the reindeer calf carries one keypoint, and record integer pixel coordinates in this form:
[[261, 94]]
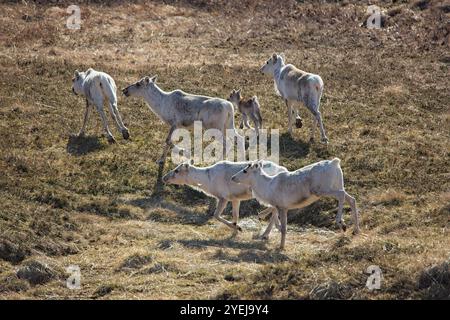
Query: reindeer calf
[[97, 87], [248, 108]]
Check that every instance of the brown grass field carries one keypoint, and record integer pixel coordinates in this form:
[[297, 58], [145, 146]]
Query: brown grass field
[[69, 201]]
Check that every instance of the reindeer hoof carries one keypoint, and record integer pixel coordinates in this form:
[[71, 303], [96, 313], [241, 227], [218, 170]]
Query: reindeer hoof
[[125, 134], [263, 237], [343, 227], [160, 161], [355, 232], [324, 140], [298, 122], [111, 140]]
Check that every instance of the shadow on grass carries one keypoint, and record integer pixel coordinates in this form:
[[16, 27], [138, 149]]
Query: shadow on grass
[[158, 188], [252, 256], [320, 214], [170, 212], [322, 151], [293, 148], [230, 242], [78, 146], [165, 211], [255, 251]]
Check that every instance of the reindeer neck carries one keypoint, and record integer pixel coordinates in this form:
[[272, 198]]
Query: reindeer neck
[[199, 177], [155, 99], [276, 77], [259, 184], [277, 70]]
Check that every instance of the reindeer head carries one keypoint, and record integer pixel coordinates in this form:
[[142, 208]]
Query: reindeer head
[[245, 175], [235, 97], [178, 175], [138, 88], [270, 65], [77, 82]]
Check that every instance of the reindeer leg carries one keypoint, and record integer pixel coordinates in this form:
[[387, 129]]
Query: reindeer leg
[[272, 220], [340, 196], [283, 218], [255, 121], [99, 105], [86, 117], [289, 107], [167, 146], [236, 204], [118, 120], [220, 207], [352, 202]]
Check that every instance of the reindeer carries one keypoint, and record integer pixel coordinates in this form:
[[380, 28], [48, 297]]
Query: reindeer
[[248, 108], [97, 87], [295, 85], [179, 110], [298, 189], [216, 181]]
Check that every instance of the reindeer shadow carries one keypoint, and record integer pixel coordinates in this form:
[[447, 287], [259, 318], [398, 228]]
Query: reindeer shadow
[[180, 214], [226, 243], [251, 252], [293, 148], [322, 150], [252, 256], [320, 214], [158, 188], [78, 146]]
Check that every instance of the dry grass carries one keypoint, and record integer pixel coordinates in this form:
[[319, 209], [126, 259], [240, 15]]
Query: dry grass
[[80, 201]]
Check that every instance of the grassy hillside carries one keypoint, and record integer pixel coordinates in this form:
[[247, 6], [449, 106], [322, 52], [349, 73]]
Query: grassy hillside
[[70, 201]]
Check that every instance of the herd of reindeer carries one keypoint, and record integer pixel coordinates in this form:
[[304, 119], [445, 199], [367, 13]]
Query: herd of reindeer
[[271, 184]]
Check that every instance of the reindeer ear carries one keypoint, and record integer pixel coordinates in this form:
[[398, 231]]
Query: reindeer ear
[[153, 79], [146, 80], [191, 162], [77, 73], [239, 90], [274, 57]]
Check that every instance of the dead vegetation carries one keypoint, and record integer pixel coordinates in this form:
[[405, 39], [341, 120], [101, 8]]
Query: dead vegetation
[[67, 200]]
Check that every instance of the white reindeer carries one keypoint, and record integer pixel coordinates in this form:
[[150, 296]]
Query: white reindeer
[[298, 189], [249, 108], [295, 85], [180, 109], [215, 181], [97, 87]]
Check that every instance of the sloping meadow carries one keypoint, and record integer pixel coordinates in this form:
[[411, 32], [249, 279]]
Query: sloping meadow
[[68, 200]]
